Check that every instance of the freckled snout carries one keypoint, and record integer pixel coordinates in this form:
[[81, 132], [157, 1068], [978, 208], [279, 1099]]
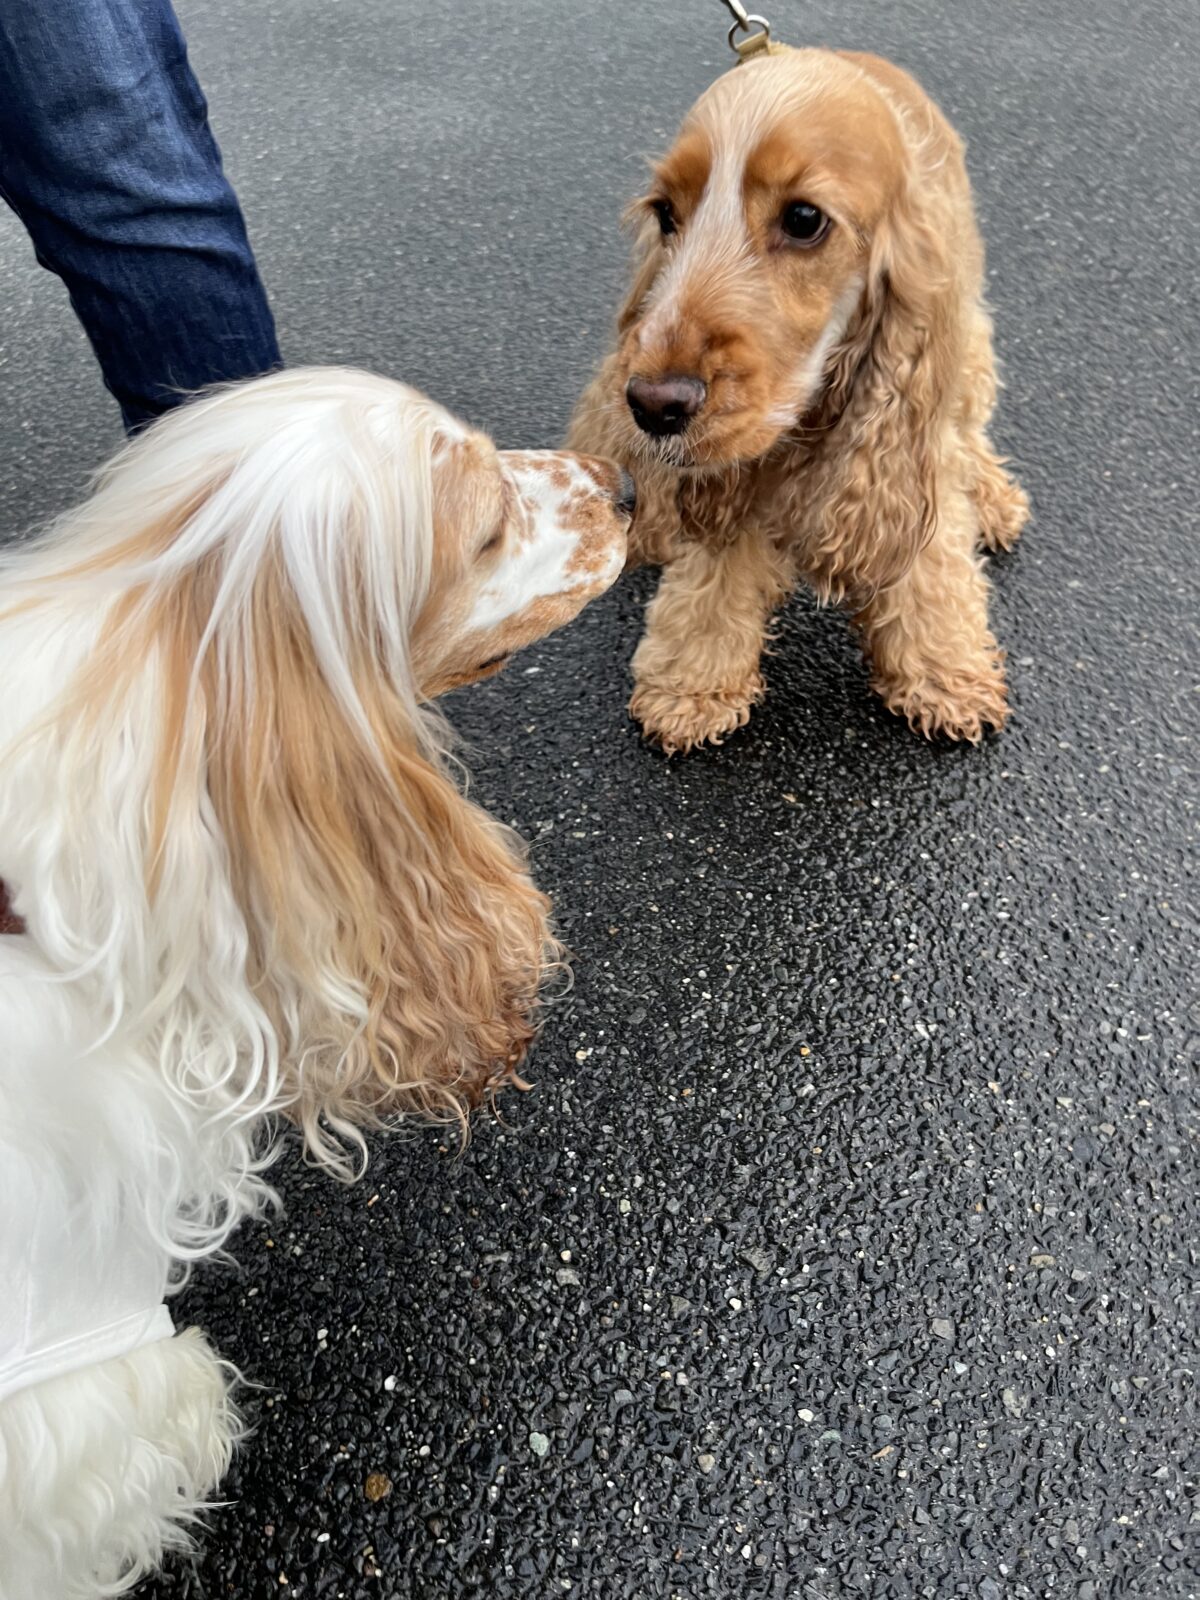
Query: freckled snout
[[665, 405]]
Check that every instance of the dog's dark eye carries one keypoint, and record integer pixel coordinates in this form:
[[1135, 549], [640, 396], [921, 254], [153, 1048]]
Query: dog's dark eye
[[665, 212], [804, 223]]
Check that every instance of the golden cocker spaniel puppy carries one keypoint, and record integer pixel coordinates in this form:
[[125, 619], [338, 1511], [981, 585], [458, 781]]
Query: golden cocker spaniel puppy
[[802, 386]]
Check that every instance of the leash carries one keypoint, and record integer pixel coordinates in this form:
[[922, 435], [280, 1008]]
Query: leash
[[758, 38]]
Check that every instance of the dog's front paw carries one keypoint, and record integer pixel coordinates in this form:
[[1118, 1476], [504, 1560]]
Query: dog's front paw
[[680, 722], [963, 707]]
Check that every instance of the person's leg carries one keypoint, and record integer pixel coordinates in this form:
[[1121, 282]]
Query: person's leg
[[107, 157]]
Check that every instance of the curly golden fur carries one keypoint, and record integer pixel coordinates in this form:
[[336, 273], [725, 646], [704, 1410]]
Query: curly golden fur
[[847, 384]]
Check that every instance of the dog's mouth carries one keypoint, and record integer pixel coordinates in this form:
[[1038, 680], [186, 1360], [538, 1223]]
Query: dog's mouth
[[490, 667], [728, 438], [466, 676], [671, 452], [700, 457], [682, 452]]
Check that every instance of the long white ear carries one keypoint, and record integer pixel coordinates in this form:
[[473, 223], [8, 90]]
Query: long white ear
[[222, 813]]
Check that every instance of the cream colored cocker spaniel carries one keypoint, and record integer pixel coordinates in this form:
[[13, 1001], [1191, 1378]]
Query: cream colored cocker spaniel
[[246, 884]]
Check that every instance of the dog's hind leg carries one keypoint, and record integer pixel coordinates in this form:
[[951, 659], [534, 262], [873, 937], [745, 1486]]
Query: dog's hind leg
[[1001, 505], [932, 655]]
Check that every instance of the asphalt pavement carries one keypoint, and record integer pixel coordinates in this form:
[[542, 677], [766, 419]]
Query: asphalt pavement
[[845, 1246]]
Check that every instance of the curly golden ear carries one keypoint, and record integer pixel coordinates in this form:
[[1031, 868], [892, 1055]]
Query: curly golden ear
[[888, 405], [397, 942]]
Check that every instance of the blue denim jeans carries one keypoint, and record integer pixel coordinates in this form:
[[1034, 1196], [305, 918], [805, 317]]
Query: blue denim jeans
[[107, 157]]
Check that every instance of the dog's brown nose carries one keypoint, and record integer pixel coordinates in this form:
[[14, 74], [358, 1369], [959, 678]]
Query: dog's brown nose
[[665, 406]]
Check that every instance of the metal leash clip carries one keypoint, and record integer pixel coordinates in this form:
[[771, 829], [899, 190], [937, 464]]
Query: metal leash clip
[[757, 40]]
